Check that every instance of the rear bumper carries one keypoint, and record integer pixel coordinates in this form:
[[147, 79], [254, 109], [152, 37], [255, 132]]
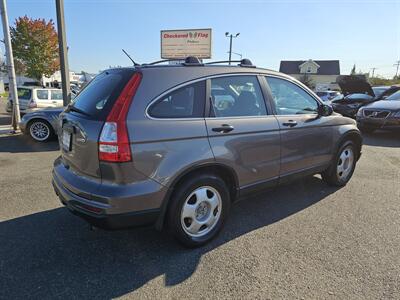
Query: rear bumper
[[388, 123], [108, 212]]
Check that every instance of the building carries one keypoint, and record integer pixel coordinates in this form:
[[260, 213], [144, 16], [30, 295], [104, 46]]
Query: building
[[323, 73]]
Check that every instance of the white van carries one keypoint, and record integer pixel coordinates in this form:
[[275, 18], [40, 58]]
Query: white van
[[31, 98]]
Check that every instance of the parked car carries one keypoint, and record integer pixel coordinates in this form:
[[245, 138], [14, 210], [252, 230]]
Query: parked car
[[379, 90], [327, 95], [356, 93], [41, 125], [153, 144], [384, 114], [31, 98]]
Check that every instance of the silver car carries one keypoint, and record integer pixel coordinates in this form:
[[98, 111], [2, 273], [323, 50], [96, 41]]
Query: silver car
[[41, 125], [176, 145]]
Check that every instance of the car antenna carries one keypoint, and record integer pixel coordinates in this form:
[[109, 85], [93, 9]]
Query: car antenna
[[134, 63]]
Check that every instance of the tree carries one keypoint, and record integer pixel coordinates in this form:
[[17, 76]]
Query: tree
[[35, 47], [307, 80], [353, 70]]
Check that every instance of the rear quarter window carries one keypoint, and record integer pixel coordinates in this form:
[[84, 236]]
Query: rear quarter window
[[185, 102]]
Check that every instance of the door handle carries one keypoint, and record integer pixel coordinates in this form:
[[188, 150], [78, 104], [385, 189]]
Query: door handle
[[290, 123], [224, 128]]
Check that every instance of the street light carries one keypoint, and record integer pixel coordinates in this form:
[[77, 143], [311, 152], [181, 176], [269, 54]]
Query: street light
[[231, 36], [238, 54]]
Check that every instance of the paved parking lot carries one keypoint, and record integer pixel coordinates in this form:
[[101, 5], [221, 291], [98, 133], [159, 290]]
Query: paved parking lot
[[304, 240]]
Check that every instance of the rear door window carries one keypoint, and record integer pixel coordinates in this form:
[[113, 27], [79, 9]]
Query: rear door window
[[98, 97], [42, 94], [186, 102], [233, 96], [56, 95]]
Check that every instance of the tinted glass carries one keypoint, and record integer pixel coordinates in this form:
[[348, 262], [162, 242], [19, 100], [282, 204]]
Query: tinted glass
[[321, 93], [24, 94], [42, 94], [186, 102], [56, 95], [395, 96], [379, 91], [97, 98], [290, 99], [236, 96]]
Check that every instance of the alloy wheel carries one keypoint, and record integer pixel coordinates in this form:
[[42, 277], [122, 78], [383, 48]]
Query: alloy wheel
[[40, 131]]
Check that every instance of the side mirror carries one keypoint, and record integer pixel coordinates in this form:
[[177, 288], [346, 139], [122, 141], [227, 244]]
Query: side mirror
[[325, 110]]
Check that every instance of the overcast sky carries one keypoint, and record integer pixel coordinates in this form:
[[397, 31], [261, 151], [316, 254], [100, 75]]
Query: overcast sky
[[365, 33]]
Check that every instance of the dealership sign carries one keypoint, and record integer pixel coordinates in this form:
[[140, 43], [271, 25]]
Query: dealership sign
[[179, 44]]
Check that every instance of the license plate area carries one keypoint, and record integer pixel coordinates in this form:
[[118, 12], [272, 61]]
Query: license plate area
[[66, 140]]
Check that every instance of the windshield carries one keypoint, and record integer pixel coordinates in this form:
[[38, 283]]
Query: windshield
[[395, 96], [379, 91]]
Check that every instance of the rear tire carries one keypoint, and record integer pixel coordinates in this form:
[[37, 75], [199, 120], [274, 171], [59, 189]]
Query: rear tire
[[198, 209], [40, 130], [342, 167]]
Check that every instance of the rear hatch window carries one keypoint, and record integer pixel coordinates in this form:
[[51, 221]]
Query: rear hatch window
[[98, 97], [83, 120]]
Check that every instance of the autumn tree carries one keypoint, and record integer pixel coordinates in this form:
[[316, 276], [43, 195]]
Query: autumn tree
[[35, 47]]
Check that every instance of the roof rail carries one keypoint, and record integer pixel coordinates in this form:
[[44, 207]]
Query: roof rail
[[159, 62], [245, 62], [195, 61]]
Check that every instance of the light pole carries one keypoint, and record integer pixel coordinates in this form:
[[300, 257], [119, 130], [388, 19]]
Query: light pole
[[10, 66], [62, 45], [238, 54], [231, 36]]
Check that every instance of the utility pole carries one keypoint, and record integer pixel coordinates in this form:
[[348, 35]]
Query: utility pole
[[62, 46], [373, 71], [397, 64], [10, 66], [231, 36]]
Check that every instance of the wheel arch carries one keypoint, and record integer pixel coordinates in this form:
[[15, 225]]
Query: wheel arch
[[225, 172], [354, 136]]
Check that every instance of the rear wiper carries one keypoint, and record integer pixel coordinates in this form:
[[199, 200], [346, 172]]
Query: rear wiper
[[73, 108]]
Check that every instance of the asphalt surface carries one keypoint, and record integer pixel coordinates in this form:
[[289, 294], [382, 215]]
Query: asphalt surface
[[301, 241]]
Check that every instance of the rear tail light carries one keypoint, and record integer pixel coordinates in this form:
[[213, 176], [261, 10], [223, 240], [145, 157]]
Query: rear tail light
[[32, 104], [114, 143]]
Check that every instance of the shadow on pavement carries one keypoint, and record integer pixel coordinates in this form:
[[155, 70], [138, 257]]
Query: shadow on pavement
[[21, 143], [54, 254], [382, 138]]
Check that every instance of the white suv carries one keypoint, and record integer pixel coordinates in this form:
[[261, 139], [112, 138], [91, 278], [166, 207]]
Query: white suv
[[31, 98]]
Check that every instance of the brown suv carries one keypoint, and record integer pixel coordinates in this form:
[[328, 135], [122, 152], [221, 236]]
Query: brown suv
[[175, 145]]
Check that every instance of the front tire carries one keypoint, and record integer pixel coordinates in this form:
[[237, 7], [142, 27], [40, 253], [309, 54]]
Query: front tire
[[342, 167], [199, 208], [40, 130]]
